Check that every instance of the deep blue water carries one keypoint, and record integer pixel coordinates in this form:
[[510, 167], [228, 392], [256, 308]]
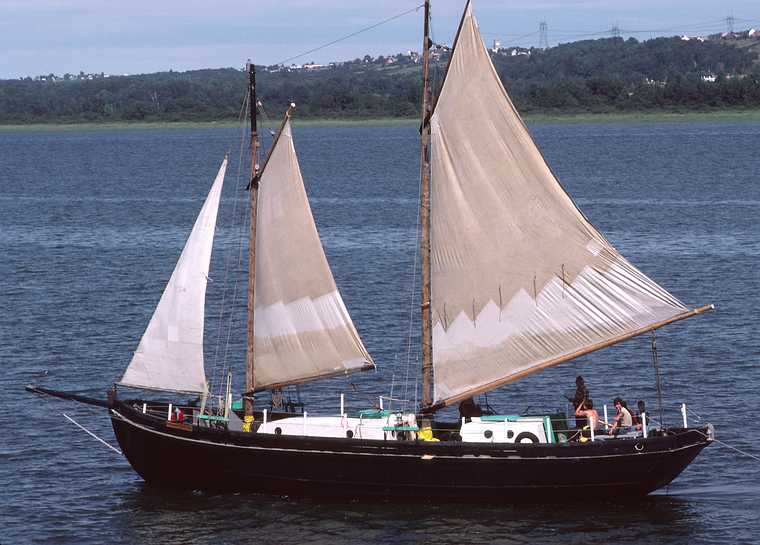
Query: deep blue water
[[92, 222]]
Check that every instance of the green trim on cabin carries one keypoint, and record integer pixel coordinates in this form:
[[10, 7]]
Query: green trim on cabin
[[499, 418], [213, 418], [549, 429], [373, 413]]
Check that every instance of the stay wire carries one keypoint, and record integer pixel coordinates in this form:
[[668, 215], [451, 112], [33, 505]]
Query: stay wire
[[217, 367], [241, 219], [243, 223], [723, 443], [413, 288], [351, 35]]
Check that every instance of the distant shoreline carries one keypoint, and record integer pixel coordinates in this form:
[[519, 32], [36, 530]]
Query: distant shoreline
[[623, 117]]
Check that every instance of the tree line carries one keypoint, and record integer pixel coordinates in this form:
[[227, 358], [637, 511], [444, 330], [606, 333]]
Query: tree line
[[607, 75]]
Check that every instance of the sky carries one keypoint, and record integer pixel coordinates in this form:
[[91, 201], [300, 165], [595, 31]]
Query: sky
[[141, 36]]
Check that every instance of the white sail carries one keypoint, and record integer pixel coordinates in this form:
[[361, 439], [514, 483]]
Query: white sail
[[170, 354], [520, 279], [302, 329]]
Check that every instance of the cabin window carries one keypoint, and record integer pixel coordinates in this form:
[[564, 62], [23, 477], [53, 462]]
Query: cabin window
[[488, 434]]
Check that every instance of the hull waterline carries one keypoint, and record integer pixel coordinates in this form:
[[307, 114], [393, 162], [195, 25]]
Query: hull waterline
[[200, 458]]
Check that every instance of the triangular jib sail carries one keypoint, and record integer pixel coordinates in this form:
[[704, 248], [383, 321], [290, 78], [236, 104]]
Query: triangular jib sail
[[520, 279], [302, 329], [170, 354]]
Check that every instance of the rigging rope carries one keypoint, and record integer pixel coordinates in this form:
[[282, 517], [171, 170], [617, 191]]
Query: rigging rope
[[351, 35], [243, 223], [216, 369], [80, 426], [413, 298], [740, 451], [243, 226], [221, 370], [698, 418]]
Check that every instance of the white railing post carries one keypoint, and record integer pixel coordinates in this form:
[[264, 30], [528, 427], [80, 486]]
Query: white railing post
[[305, 414], [591, 427], [644, 424], [169, 412], [606, 421], [342, 411], [265, 417], [381, 403], [683, 413], [145, 408]]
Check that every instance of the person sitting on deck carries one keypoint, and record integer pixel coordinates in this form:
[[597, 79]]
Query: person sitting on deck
[[638, 418], [587, 411], [581, 394], [468, 409], [622, 419]]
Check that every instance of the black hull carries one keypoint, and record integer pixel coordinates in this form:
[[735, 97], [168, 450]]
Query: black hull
[[200, 458]]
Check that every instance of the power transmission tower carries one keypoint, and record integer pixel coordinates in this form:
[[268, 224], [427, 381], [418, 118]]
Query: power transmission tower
[[615, 31], [543, 35], [730, 24]]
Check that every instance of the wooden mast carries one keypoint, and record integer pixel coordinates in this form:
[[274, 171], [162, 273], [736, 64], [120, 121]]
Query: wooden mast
[[427, 342], [254, 191]]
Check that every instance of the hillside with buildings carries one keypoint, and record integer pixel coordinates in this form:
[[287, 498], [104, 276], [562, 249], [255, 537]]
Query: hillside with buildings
[[682, 73]]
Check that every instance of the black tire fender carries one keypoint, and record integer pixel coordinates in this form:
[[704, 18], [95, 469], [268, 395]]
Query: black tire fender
[[526, 437]]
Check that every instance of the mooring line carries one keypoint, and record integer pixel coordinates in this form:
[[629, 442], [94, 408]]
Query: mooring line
[[113, 448]]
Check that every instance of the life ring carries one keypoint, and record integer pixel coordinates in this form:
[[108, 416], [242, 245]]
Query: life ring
[[526, 437], [639, 446]]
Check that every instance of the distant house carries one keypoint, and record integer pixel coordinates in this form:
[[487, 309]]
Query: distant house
[[518, 51], [654, 82], [438, 50], [709, 77], [753, 33], [496, 46]]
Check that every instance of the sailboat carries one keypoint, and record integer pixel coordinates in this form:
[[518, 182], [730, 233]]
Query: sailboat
[[515, 279]]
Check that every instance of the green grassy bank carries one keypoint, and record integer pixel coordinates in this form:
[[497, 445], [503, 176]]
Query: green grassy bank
[[633, 117]]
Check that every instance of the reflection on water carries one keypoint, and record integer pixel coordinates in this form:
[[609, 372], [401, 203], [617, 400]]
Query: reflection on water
[[89, 236], [150, 515]]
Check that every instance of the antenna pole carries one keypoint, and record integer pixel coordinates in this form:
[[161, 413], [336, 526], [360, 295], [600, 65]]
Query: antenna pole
[[250, 383], [427, 341], [656, 362]]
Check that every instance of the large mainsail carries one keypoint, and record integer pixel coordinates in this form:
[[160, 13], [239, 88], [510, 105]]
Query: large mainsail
[[302, 329], [520, 279], [170, 354]]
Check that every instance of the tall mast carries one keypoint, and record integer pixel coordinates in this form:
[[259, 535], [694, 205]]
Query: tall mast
[[427, 342], [254, 189]]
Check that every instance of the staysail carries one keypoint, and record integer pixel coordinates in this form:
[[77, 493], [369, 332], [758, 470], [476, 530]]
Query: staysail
[[520, 279], [170, 354], [302, 329]]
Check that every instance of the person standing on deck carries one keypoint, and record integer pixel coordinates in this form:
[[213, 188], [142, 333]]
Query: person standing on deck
[[581, 395], [586, 410]]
